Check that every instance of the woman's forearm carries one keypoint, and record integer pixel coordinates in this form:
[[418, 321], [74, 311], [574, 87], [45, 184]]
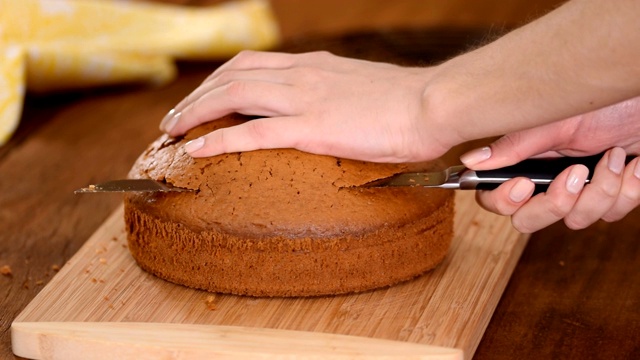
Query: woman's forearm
[[580, 57]]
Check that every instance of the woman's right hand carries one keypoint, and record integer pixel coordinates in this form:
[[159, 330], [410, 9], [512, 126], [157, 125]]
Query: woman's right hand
[[613, 192]]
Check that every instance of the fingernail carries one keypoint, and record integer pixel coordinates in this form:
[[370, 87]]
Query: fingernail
[[170, 120], [576, 179], [616, 159], [521, 190], [194, 145], [476, 156], [636, 170], [166, 119]]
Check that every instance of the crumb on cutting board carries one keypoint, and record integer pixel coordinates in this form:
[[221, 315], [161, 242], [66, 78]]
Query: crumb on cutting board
[[210, 302], [6, 270]]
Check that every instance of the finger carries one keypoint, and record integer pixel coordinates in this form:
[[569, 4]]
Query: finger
[[245, 97], [269, 75], [244, 60], [602, 192], [629, 197], [256, 134], [508, 197], [545, 209], [251, 60], [515, 147]]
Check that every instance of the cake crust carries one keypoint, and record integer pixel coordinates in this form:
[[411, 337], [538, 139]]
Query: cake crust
[[282, 222]]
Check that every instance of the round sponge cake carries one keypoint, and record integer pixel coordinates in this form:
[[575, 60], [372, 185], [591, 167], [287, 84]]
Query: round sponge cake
[[282, 222]]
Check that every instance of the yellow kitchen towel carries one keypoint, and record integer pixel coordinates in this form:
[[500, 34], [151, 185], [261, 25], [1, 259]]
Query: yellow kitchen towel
[[51, 45]]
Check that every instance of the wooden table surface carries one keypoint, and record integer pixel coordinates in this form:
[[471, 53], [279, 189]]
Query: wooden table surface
[[574, 294]]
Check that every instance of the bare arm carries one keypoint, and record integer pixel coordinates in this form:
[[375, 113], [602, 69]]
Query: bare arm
[[583, 56]]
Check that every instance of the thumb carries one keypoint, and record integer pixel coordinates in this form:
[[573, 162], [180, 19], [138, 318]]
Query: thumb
[[511, 149]]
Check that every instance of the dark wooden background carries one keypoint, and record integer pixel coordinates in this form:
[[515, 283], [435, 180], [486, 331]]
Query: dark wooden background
[[574, 294]]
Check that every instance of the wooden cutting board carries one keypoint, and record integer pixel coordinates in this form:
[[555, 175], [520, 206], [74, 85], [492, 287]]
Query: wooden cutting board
[[101, 305]]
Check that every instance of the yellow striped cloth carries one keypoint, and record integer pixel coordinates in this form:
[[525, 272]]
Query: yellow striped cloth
[[52, 45]]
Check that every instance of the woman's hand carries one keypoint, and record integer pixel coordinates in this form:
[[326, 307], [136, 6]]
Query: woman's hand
[[315, 102], [613, 191]]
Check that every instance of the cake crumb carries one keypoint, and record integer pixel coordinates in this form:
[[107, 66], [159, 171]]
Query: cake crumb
[[103, 261], [92, 187], [39, 282], [6, 270], [94, 280], [106, 298], [55, 267], [210, 302]]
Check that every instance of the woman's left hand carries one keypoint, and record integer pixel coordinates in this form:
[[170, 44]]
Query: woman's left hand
[[315, 102]]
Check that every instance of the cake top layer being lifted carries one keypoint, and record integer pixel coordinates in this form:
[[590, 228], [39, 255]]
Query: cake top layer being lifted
[[278, 192]]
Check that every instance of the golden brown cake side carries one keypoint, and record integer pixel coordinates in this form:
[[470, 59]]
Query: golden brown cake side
[[282, 266]]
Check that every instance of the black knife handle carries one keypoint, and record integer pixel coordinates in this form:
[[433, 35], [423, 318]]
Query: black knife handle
[[540, 171]]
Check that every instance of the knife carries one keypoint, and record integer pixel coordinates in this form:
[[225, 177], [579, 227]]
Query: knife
[[540, 171]]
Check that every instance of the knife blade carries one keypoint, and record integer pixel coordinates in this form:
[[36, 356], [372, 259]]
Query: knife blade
[[540, 171], [131, 185]]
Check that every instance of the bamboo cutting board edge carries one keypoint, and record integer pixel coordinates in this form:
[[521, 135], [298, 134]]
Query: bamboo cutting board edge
[[455, 285], [115, 340]]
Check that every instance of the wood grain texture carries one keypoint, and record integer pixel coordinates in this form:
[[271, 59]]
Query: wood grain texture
[[129, 340], [448, 307], [586, 308], [574, 295]]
